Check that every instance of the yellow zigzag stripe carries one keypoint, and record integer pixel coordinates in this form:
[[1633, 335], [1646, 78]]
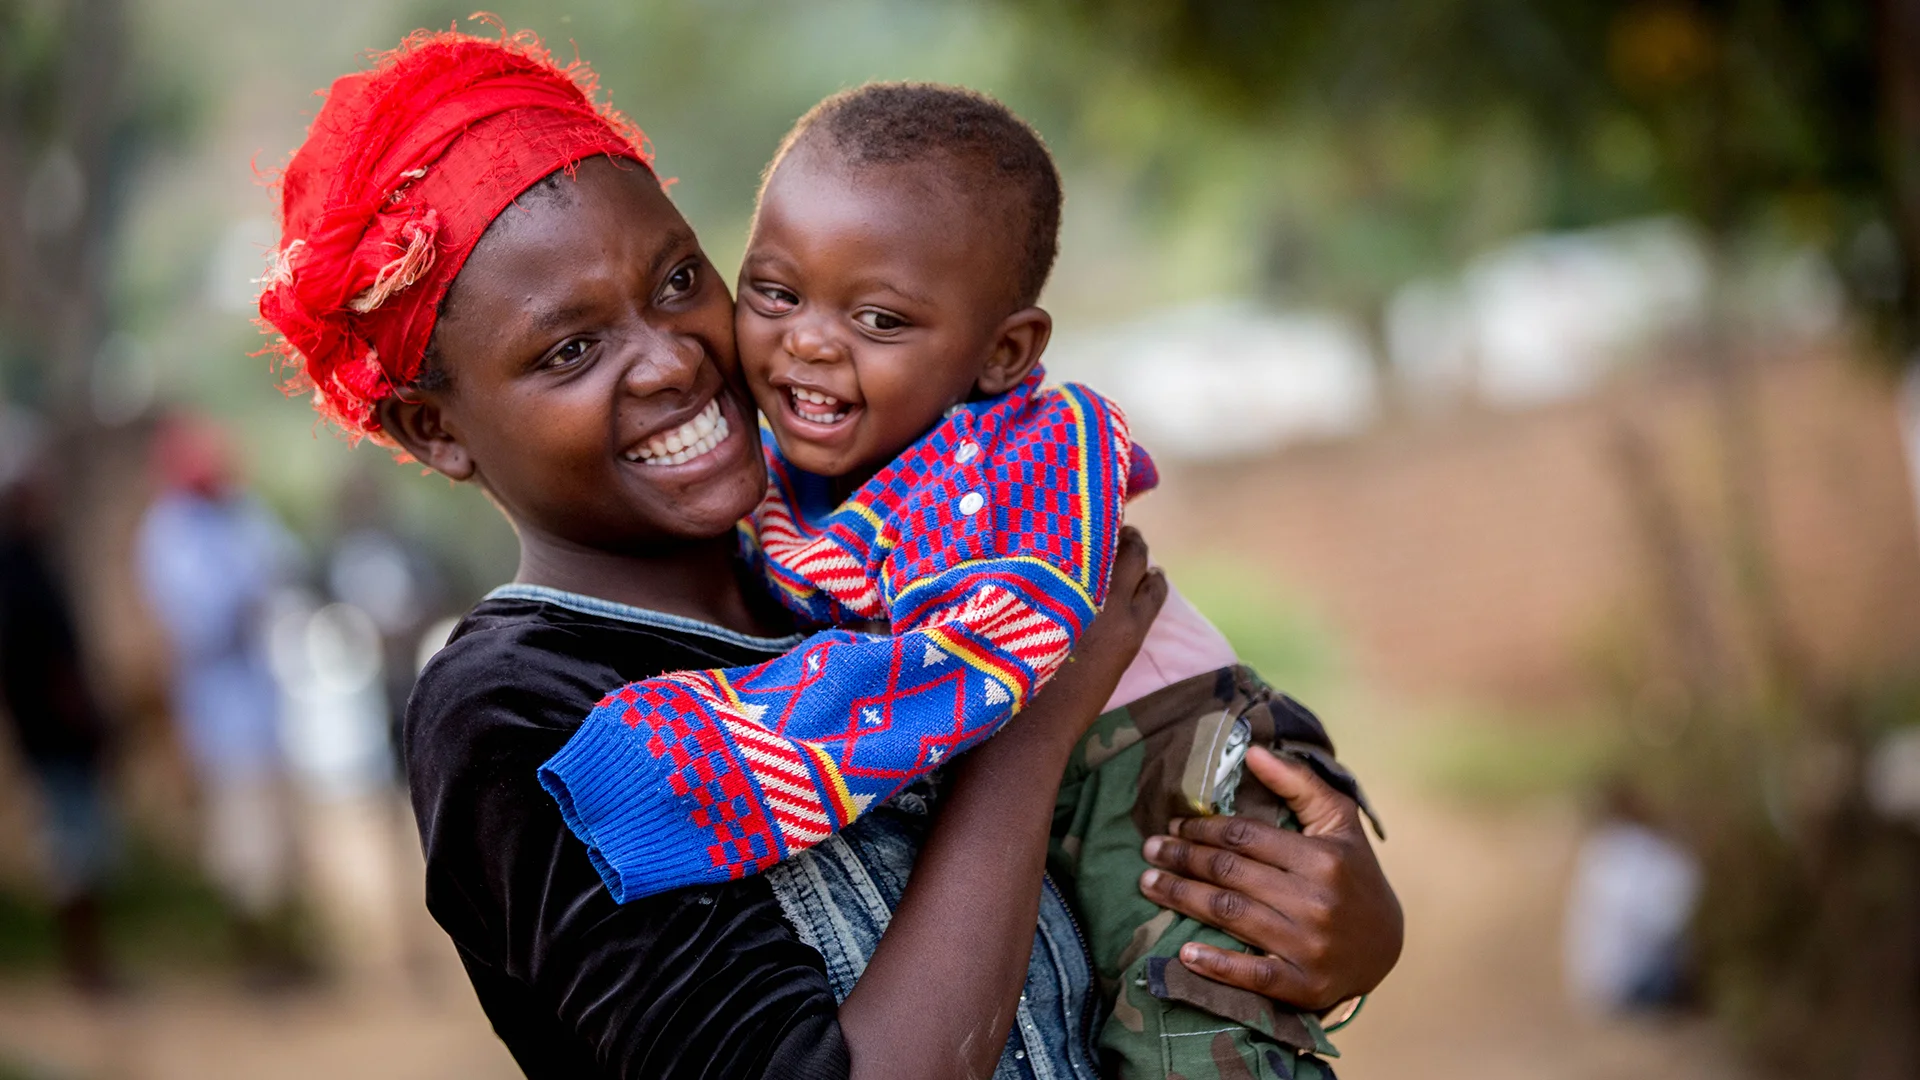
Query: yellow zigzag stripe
[[836, 784], [981, 662], [1061, 575], [843, 804], [1086, 500]]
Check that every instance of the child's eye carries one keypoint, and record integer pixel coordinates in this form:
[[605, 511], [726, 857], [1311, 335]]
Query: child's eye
[[681, 282], [569, 353], [778, 301], [879, 321]]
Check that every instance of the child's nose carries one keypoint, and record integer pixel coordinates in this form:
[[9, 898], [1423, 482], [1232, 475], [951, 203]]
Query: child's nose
[[809, 341]]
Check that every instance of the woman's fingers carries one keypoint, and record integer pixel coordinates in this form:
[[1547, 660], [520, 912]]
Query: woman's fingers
[[1136, 585], [1269, 845], [1129, 562], [1231, 910], [1247, 868], [1273, 977], [1320, 808]]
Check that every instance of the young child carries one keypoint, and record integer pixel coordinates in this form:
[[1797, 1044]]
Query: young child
[[888, 331]]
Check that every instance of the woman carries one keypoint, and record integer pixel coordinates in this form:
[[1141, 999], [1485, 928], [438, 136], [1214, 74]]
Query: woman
[[478, 265]]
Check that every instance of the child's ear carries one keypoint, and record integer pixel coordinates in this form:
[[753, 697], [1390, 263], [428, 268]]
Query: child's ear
[[1022, 338], [418, 423]]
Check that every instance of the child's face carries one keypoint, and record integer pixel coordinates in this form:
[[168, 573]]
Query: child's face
[[585, 331], [870, 302]]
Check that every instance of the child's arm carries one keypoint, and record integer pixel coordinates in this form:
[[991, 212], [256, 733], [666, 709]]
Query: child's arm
[[701, 777], [991, 562]]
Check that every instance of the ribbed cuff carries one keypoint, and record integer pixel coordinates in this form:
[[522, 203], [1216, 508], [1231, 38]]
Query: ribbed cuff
[[613, 794]]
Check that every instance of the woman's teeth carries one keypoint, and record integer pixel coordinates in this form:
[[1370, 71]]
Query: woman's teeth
[[686, 442], [817, 407]]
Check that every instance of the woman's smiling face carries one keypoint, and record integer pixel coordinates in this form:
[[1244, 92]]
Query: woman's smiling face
[[593, 388]]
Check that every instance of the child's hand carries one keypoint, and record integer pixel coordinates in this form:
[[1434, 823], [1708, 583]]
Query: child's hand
[[1316, 901]]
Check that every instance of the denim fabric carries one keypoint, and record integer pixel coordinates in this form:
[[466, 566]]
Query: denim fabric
[[840, 895]]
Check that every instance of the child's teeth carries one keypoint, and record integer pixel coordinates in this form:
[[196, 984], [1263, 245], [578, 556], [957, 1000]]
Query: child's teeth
[[827, 409], [688, 441]]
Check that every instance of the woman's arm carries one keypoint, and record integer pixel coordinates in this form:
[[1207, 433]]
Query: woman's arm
[[938, 997], [1315, 901]]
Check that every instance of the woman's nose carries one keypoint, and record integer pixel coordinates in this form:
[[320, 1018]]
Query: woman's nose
[[664, 361]]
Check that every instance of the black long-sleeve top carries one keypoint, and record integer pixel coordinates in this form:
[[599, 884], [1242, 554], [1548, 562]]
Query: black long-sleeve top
[[702, 982], [43, 685]]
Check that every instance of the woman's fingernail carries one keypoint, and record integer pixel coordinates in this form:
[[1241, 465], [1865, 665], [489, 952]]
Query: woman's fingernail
[[1150, 879], [1174, 826], [1154, 844]]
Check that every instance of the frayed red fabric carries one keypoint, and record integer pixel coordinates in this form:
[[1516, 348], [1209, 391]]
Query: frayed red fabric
[[402, 171]]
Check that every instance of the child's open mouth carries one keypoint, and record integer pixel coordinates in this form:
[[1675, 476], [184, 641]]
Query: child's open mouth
[[817, 408], [690, 440]]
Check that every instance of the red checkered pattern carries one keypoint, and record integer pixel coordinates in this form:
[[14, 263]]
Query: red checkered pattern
[[988, 544]]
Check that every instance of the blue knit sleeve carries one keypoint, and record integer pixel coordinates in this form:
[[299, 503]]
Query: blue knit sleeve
[[989, 545]]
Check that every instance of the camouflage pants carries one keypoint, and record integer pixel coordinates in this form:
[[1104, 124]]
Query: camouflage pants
[[1178, 752]]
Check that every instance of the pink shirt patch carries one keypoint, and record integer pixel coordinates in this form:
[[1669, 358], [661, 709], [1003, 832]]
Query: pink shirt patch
[[1180, 644]]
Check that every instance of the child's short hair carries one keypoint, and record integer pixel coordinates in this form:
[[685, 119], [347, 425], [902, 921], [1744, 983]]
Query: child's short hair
[[996, 153]]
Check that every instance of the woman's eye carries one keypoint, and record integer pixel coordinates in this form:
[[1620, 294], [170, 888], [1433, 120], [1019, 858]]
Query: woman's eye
[[681, 281], [879, 321], [567, 355]]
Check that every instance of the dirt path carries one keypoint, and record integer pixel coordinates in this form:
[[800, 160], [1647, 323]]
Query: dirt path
[[1477, 994]]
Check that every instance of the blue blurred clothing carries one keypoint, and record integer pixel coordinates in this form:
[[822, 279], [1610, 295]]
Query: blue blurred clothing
[[208, 567]]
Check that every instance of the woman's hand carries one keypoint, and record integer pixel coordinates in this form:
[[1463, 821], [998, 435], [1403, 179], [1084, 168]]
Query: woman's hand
[[1134, 595], [1315, 901], [939, 995]]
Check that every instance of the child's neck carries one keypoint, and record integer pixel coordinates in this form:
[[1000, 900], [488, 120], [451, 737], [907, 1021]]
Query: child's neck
[[700, 580], [842, 487]]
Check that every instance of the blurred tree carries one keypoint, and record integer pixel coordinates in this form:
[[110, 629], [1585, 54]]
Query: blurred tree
[[74, 127], [1802, 115], [60, 106]]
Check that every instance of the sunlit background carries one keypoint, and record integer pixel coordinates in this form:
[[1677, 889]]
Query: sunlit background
[[1529, 381]]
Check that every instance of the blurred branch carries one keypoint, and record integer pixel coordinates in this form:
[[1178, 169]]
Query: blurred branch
[[61, 109], [1899, 26], [1754, 107]]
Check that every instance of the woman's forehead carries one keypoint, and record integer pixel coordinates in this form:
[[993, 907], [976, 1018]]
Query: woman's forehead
[[560, 246]]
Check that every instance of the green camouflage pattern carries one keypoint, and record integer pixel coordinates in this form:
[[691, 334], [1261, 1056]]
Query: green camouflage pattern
[[1177, 752]]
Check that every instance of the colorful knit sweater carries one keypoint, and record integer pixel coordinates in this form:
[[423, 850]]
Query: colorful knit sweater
[[987, 544]]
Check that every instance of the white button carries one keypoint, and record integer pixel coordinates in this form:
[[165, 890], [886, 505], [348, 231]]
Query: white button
[[971, 502], [967, 452]]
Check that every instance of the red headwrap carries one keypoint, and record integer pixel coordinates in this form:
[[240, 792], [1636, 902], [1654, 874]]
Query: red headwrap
[[403, 170]]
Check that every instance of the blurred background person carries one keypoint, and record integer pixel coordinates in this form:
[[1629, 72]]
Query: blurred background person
[[390, 605], [380, 567], [209, 559], [1630, 910], [50, 705]]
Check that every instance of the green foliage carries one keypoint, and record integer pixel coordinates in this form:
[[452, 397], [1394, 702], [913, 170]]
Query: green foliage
[[1744, 114], [1497, 760]]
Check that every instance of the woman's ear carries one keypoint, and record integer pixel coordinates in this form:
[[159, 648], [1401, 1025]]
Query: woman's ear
[[418, 423], [1022, 338]]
